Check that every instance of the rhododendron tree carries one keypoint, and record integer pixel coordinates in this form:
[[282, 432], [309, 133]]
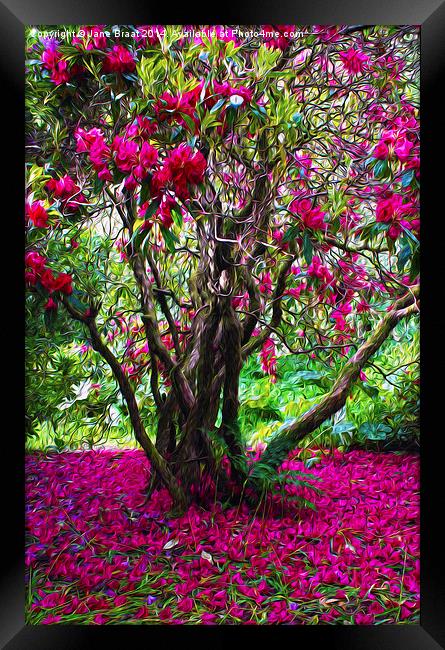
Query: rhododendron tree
[[193, 201]]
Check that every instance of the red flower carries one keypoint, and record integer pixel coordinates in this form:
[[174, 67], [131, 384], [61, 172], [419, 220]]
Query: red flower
[[47, 280], [63, 283], [381, 151], [126, 153], [67, 191], [169, 107], [182, 168], [185, 605], [269, 359]]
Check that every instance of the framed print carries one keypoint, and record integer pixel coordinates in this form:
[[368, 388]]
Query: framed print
[[229, 413]]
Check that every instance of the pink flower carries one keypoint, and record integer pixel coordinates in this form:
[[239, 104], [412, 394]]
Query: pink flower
[[392, 210], [403, 149], [311, 217], [171, 108], [226, 90], [143, 128], [266, 284], [269, 360], [67, 191], [339, 313], [147, 159], [119, 59], [37, 214], [165, 614], [364, 619], [58, 67], [317, 270], [185, 605], [142, 612], [51, 619], [126, 153], [182, 168], [236, 611], [208, 619], [100, 619], [79, 528], [34, 260], [85, 139]]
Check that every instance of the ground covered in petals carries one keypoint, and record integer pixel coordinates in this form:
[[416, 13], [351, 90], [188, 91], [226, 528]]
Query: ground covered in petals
[[97, 554]]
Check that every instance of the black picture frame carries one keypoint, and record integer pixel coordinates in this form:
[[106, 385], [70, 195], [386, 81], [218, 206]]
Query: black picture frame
[[14, 16]]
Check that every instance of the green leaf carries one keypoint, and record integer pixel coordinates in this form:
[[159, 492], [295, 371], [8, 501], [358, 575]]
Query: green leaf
[[415, 266], [74, 300], [305, 375], [98, 185], [379, 168], [209, 121], [145, 191], [407, 178], [50, 318], [403, 257]]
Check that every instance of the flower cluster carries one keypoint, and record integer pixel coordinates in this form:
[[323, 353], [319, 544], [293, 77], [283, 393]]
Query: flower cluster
[[171, 108], [135, 160], [354, 61], [93, 142]]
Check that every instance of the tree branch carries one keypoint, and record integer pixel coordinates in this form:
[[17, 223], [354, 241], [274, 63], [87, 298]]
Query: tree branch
[[289, 436], [157, 461]]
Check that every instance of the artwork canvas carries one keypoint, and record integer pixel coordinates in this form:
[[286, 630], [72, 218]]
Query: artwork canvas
[[222, 324]]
